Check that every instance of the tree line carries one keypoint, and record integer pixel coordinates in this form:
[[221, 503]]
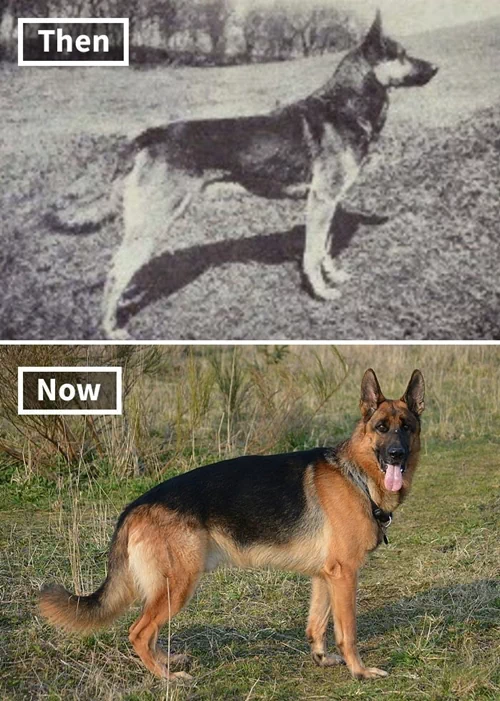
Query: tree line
[[204, 32]]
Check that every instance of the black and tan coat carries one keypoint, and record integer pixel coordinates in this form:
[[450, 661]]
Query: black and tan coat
[[310, 512]]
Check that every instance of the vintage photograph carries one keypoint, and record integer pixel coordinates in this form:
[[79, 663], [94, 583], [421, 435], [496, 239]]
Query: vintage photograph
[[263, 169], [201, 544]]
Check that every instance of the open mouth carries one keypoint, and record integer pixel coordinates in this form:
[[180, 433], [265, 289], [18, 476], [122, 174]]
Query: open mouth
[[393, 475]]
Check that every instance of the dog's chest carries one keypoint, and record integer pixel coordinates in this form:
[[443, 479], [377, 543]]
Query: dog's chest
[[380, 119]]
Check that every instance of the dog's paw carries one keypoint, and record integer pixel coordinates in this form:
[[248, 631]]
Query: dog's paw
[[182, 677], [333, 272], [117, 335], [327, 294], [370, 673], [323, 660], [180, 660], [176, 659], [316, 285]]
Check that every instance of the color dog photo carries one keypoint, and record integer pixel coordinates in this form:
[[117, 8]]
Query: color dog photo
[[262, 169], [201, 544]]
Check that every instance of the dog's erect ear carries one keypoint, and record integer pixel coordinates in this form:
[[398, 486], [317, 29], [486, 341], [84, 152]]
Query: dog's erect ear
[[374, 40], [414, 395], [371, 394]]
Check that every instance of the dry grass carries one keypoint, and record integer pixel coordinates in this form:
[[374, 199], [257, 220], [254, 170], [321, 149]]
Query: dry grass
[[187, 404], [428, 604]]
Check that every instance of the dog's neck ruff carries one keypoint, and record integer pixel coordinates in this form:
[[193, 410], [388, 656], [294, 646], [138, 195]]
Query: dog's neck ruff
[[383, 518]]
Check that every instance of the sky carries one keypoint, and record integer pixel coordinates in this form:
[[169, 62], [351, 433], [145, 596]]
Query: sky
[[413, 16]]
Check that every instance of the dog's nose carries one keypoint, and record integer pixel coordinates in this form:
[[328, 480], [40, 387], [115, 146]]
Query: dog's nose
[[396, 453], [434, 69]]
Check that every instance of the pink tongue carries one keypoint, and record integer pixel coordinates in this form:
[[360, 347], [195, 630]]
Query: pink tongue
[[393, 478]]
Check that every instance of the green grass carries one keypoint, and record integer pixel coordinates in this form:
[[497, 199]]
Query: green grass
[[429, 603], [427, 273]]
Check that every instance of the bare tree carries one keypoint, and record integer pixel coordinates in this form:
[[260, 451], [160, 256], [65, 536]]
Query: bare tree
[[319, 29], [303, 21], [252, 29], [279, 32], [165, 14], [30, 8], [268, 31], [335, 31], [216, 14], [309, 29]]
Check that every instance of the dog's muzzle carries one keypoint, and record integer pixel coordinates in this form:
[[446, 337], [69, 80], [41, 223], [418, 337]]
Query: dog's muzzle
[[424, 73]]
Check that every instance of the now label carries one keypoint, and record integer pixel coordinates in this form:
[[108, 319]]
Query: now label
[[69, 391]]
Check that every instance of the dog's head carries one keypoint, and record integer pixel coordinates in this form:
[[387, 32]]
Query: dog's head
[[391, 65], [392, 428]]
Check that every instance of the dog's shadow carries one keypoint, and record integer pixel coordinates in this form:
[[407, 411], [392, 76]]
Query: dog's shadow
[[170, 272], [452, 608]]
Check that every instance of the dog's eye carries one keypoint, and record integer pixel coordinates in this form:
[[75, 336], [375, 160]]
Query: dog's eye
[[405, 427], [381, 428]]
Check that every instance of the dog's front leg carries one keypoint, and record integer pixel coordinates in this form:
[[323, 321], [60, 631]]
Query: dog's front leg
[[342, 583], [321, 208], [319, 615], [331, 179]]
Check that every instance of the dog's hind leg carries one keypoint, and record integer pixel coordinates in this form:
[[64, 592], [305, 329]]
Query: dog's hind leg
[[144, 632], [319, 615], [154, 197], [166, 558]]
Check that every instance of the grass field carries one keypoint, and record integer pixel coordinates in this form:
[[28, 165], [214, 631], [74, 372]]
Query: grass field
[[428, 273], [429, 603]]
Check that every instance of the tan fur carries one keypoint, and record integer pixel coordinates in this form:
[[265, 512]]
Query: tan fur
[[320, 610], [392, 72], [78, 613], [353, 532], [332, 177], [304, 554], [166, 555]]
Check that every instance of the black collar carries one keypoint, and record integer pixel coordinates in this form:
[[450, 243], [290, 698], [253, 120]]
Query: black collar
[[383, 518]]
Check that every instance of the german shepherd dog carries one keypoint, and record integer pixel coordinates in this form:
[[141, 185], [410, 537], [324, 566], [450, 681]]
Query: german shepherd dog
[[317, 512], [313, 149]]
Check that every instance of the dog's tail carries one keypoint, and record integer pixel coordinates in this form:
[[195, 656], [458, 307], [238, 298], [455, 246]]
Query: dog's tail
[[88, 613], [81, 212], [85, 214]]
